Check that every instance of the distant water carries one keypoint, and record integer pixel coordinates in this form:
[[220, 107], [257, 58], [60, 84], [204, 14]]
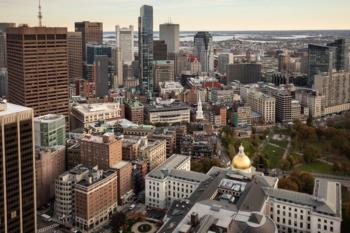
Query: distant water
[[227, 35]]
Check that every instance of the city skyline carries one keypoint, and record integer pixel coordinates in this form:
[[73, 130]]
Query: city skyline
[[229, 15]]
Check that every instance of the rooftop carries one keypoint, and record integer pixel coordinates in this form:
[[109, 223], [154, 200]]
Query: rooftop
[[8, 108], [97, 108], [163, 170]]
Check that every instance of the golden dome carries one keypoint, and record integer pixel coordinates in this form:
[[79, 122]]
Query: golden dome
[[241, 161]]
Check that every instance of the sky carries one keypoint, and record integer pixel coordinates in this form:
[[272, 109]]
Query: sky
[[192, 15]]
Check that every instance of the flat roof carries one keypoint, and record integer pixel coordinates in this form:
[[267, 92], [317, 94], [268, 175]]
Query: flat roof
[[13, 108]]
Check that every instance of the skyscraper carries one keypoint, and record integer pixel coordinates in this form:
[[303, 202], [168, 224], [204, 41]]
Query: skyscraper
[[101, 71], [146, 50], [203, 49], [170, 33], [117, 58], [160, 50], [92, 32], [245, 72], [125, 41], [75, 56], [342, 54], [321, 59], [17, 175], [3, 27], [38, 69]]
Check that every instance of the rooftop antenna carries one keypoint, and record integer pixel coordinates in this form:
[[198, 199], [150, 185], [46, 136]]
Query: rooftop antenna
[[40, 16]]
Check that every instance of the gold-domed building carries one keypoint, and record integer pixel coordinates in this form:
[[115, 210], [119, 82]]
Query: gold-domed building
[[241, 162]]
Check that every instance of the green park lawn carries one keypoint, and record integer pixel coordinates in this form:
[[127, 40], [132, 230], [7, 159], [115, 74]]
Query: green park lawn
[[273, 154], [281, 143], [319, 167]]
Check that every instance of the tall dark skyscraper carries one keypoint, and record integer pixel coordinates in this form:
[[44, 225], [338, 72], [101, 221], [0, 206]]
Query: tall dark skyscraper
[[17, 175], [91, 32], [38, 69], [342, 54], [146, 50], [321, 59], [203, 49]]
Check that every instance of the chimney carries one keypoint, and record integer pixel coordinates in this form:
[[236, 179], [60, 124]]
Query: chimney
[[3, 105], [194, 219]]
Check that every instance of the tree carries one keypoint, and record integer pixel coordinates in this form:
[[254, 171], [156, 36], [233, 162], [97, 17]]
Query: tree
[[310, 153], [118, 220], [307, 182], [287, 183], [309, 121]]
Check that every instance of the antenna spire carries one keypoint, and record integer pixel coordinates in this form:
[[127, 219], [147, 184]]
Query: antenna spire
[[40, 16]]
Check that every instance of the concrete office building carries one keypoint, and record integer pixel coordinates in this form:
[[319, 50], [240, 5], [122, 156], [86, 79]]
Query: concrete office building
[[154, 152], [118, 77], [50, 130], [311, 100], [41, 81], [264, 105], [125, 41], [92, 32], [104, 151], [223, 60], [17, 204], [335, 87], [75, 56], [160, 50], [170, 33], [175, 112], [65, 195], [244, 73], [84, 114], [203, 49], [146, 50], [170, 181], [283, 106], [102, 78], [164, 71], [49, 164]]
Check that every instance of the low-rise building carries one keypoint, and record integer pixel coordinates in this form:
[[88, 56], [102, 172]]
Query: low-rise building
[[96, 199], [171, 181], [124, 182], [83, 114], [154, 152], [134, 111], [50, 130], [102, 151], [169, 112]]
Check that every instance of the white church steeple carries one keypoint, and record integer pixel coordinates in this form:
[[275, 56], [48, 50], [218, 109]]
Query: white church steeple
[[199, 113]]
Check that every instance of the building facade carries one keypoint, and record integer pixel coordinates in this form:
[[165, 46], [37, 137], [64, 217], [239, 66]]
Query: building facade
[[170, 33], [91, 32], [125, 41], [50, 130], [146, 50], [17, 204], [203, 49], [75, 56], [104, 152], [41, 80]]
